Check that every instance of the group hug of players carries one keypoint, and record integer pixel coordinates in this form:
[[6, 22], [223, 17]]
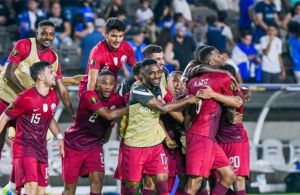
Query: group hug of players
[[186, 124]]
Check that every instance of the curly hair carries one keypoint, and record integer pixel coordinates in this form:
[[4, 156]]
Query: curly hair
[[114, 24]]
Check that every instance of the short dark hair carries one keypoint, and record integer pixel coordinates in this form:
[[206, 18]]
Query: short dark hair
[[142, 1], [210, 19], [197, 53], [46, 23], [246, 33], [114, 24], [37, 68], [177, 16], [175, 72], [206, 53], [222, 16], [122, 12], [105, 72], [147, 62], [151, 49], [225, 51], [272, 25], [229, 68], [294, 27], [38, 20], [136, 68]]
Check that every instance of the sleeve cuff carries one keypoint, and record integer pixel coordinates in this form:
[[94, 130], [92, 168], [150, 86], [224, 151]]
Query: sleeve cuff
[[9, 115], [97, 108]]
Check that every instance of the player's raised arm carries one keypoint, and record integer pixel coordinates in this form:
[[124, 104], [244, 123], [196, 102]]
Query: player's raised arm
[[64, 95], [112, 114], [75, 80], [3, 120], [92, 77]]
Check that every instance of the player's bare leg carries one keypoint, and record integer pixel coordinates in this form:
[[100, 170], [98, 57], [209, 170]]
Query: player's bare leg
[[41, 190], [96, 182], [31, 188], [239, 185], [2, 140], [227, 178], [148, 185], [70, 188], [161, 183], [193, 184]]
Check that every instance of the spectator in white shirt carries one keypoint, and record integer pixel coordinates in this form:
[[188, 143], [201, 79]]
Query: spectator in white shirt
[[181, 6], [144, 14], [272, 65]]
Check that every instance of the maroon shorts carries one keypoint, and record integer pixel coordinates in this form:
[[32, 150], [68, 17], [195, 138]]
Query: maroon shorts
[[81, 163], [3, 106], [239, 157], [203, 154], [29, 169], [176, 161], [118, 173], [137, 162]]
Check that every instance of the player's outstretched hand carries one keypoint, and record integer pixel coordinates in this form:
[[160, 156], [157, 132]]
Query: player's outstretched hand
[[238, 118], [247, 93], [205, 93], [171, 144], [60, 143]]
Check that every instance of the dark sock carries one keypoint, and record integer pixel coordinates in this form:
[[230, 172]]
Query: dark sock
[[147, 192], [94, 193], [62, 193], [184, 193], [242, 192], [205, 192], [219, 189], [179, 191], [129, 191], [122, 188], [229, 192], [162, 188]]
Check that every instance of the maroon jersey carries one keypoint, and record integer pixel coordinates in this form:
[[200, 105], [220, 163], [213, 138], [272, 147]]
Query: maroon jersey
[[23, 48], [229, 133], [103, 58], [88, 130], [208, 112], [34, 113]]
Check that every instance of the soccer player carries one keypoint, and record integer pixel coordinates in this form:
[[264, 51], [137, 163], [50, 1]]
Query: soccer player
[[233, 139], [143, 151], [176, 161], [16, 75], [84, 139], [109, 54], [33, 110], [200, 137]]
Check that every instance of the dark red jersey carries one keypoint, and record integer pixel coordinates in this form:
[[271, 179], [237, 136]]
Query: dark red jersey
[[103, 58], [88, 130], [208, 112], [34, 113]]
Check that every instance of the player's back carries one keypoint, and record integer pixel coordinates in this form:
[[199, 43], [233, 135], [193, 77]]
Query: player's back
[[229, 133], [208, 112]]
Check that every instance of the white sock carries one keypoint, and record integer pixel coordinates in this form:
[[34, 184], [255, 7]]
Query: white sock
[[11, 186]]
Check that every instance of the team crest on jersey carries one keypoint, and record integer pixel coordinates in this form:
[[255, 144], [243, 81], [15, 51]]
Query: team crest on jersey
[[123, 59], [231, 87], [116, 61], [159, 97], [11, 107], [45, 107], [112, 107], [53, 107], [15, 52], [94, 100], [93, 62]]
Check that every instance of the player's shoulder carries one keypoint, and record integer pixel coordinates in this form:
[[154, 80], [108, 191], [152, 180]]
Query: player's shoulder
[[88, 94], [140, 88], [24, 41], [125, 46]]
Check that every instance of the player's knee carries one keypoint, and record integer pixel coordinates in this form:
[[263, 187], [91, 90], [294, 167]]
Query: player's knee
[[148, 184], [131, 184], [230, 177], [239, 183], [194, 183], [96, 185]]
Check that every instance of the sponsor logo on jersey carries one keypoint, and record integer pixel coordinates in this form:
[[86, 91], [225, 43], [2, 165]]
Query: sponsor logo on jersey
[[116, 61], [15, 52], [201, 82], [45, 107], [149, 110], [123, 59], [94, 100], [11, 107], [93, 62], [53, 107], [231, 87]]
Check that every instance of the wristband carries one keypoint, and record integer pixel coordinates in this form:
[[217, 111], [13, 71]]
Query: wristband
[[60, 136]]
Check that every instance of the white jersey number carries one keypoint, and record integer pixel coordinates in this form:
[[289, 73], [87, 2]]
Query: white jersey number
[[93, 117], [35, 119]]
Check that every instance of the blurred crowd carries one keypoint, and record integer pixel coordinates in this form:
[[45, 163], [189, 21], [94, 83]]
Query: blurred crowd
[[252, 35]]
